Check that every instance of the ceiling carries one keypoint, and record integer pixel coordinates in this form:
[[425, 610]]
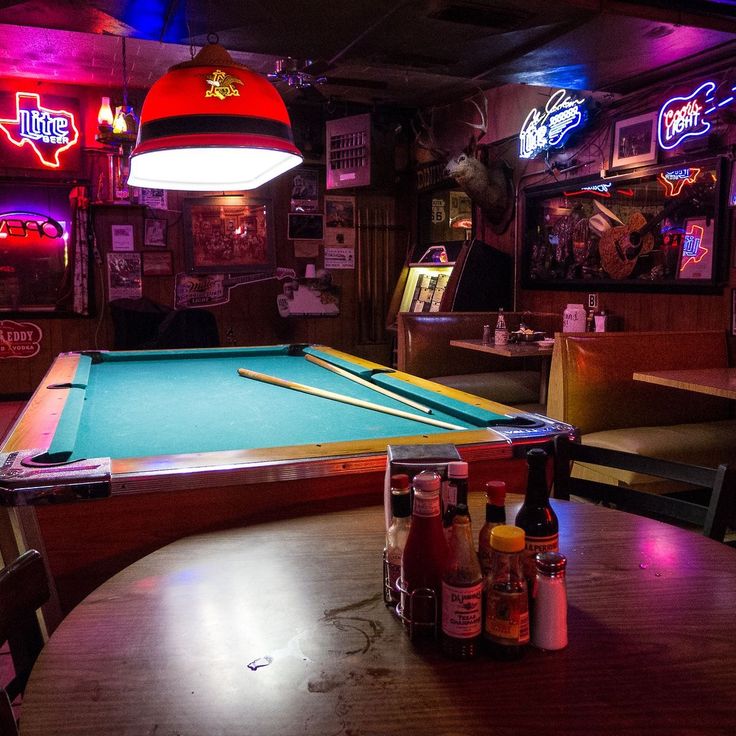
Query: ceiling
[[416, 53]]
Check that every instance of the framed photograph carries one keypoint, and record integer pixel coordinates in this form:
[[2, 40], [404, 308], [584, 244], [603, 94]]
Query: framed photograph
[[155, 233], [306, 226], [305, 190], [158, 263], [635, 141], [228, 234], [340, 221]]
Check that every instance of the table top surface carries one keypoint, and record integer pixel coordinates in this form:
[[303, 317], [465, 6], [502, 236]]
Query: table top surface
[[280, 628], [711, 381], [511, 350]]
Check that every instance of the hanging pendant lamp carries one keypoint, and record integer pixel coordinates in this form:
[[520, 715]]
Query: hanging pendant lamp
[[211, 124]]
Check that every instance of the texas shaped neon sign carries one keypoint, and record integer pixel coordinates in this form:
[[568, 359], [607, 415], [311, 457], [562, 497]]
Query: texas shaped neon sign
[[48, 132]]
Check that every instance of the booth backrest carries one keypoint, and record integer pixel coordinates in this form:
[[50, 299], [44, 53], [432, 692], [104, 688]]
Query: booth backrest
[[423, 341], [591, 384]]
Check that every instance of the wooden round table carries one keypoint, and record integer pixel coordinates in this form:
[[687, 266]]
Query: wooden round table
[[280, 629]]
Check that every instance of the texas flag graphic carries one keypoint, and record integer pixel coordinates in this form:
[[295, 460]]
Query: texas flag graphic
[[48, 132]]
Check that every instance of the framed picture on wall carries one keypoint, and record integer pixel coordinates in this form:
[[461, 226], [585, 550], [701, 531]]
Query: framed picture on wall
[[155, 232], [157, 263], [635, 141], [306, 226], [229, 234]]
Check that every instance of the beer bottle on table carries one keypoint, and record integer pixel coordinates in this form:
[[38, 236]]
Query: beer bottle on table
[[501, 333], [536, 517], [455, 492], [506, 618], [424, 558], [462, 591], [396, 536], [495, 515]]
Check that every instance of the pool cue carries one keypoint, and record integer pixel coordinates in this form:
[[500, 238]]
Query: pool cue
[[357, 379], [342, 398]]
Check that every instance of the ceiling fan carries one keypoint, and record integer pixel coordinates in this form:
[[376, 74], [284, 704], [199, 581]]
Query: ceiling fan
[[305, 73]]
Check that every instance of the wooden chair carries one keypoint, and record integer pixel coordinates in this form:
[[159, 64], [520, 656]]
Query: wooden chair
[[24, 588], [713, 518]]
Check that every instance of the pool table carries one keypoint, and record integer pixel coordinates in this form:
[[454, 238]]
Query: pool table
[[161, 444]]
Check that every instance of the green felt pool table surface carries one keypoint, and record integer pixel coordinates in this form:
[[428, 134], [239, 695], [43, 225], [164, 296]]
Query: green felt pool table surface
[[135, 404]]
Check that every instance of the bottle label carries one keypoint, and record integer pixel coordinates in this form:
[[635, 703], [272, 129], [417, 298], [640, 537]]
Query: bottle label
[[501, 337], [426, 505], [507, 617], [461, 610], [543, 544], [394, 573]]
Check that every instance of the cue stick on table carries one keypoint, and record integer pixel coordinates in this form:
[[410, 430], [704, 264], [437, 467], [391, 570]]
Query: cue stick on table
[[379, 389], [342, 398]]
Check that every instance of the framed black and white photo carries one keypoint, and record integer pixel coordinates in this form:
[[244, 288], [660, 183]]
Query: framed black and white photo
[[157, 263], [635, 141]]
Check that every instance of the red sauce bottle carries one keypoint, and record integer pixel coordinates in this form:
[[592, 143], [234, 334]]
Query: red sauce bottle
[[424, 559]]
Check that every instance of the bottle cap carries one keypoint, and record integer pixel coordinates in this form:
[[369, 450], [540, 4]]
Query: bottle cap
[[551, 563], [457, 469], [536, 456], [427, 480], [400, 480], [507, 538], [400, 502], [496, 492], [460, 510]]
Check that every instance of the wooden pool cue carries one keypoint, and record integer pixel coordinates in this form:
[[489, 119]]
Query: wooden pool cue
[[265, 378], [357, 379]]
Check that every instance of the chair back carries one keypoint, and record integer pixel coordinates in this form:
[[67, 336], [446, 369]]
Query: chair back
[[713, 518], [24, 588]]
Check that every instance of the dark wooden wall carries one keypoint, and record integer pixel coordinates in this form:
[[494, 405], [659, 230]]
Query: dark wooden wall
[[251, 316]]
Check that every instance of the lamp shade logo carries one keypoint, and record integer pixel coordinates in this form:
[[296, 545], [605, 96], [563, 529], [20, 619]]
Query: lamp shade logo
[[222, 85], [47, 132]]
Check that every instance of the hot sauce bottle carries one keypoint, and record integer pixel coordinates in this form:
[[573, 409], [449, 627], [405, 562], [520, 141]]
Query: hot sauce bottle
[[396, 536], [506, 622], [495, 515], [462, 591], [424, 559]]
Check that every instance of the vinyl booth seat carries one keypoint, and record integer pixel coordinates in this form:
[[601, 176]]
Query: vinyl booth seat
[[423, 345], [592, 387]]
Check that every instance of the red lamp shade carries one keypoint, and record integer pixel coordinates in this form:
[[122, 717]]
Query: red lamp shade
[[211, 124]]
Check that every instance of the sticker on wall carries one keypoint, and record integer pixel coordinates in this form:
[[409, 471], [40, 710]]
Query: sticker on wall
[[19, 339]]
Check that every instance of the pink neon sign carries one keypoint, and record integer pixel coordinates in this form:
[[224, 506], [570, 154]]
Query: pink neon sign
[[48, 132]]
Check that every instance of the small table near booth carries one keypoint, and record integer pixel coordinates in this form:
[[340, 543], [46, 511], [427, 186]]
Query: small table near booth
[[515, 350], [174, 442], [711, 381], [279, 628]]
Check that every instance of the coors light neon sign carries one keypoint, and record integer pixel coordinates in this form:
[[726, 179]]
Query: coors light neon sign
[[48, 132]]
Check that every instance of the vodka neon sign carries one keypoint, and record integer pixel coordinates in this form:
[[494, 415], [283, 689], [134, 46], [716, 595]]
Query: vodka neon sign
[[552, 126], [48, 132]]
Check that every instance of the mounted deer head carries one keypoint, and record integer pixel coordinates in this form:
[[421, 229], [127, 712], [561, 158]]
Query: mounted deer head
[[489, 185]]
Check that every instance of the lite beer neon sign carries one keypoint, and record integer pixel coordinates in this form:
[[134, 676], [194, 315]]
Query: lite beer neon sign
[[552, 126], [48, 132], [686, 117], [692, 249]]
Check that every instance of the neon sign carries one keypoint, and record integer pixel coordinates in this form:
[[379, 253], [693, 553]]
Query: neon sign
[[673, 181], [602, 190], [48, 132], [693, 250], [687, 117], [552, 126]]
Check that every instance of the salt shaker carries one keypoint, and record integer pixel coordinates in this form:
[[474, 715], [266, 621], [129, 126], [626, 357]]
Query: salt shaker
[[486, 335], [549, 624]]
